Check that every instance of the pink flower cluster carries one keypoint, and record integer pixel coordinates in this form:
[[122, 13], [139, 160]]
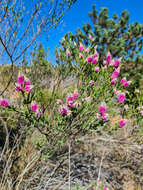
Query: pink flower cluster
[[23, 84], [70, 103], [93, 58], [102, 112], [4, 102], [125, 82], [112, 62]]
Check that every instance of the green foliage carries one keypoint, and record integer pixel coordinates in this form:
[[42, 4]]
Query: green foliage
[[40, 69]]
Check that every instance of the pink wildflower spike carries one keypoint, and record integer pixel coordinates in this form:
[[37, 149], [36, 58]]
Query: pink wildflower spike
[[102, 108], [109, 57], [94, 61], [68, 53], [81, 47], [64, 110], [27, 82], [126, 84], [113, 81], [59, 101], [34, 106], [117, 63], [89, 59], [75, 44], [90, 37], [70, 104], [91, 82], [98, 116], [141, 113], [115, 74], [28, 88], [121, 98], [4, 102], [20, 79], [97, 69], [122, 123], [70, 97]]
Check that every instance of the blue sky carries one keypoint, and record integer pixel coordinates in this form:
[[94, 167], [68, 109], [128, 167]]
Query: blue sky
[[78, 15]]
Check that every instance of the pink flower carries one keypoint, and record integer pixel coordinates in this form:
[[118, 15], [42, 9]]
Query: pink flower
[[97, 69], [122, 123], [95, 55], [123, 80], [117, 63], [115, 74], [121, 98], [91, 82], [20, 79], [64, 110], [59, 101], [4, 102], [68, 53], [34, 106], [113, 81], [27, 82], [81, 47], [89, 59], [109, 57], [28, 88], [102, 108], [70, 97], [75, 94], [70, 104], [105, 116], [126, 84], [94, 61], [19, 88], [141, 113]]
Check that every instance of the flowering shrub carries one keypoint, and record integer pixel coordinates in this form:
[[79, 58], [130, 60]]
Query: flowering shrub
[[90, 107]]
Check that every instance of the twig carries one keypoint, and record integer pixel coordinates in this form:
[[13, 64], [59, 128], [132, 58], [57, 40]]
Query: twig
[[69, 145]]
